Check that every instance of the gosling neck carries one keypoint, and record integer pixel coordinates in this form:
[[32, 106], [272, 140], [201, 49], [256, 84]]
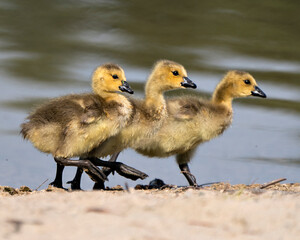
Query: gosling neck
[[222, 96], [154, 94]]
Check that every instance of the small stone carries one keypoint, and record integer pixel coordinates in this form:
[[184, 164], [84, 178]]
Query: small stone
[[54, 189], [156, 183], [10, 190], [139, 187], [118, 188], [25, 189]]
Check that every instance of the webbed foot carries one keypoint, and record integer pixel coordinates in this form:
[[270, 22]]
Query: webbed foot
[[129, 172], [185, 170], [74, 185], [121, 168], [94, 173], [56, 184]]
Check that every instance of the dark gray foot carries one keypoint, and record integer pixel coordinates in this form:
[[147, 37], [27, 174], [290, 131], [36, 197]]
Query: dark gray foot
[[75, 183], [56, 184], [184, 167], [58, 177], [107, 171], [108, 167], [129, 172], [94, 173], [121, 168], [99, 186]]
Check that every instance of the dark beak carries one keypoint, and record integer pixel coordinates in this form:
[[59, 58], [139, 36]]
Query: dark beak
[[125, 87], [258, 92], [188, 83]]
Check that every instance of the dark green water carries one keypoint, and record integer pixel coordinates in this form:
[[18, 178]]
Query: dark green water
[[50, 48]]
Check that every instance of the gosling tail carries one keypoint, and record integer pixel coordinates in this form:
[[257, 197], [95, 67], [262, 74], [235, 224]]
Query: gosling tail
[[25, 128]]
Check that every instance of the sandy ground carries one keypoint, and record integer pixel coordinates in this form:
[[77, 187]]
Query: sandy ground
[[220, 211]]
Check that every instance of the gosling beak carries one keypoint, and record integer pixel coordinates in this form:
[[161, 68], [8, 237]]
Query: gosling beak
[[125, 87], [188, 83], [258, 92]]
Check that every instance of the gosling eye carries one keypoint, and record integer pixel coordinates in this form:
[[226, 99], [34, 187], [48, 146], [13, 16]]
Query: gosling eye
[[175, 73], [115, 76], [247, 81]]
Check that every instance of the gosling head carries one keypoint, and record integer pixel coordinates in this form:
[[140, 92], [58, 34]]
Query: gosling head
[[110, 78], [241, 84], [171, 75]]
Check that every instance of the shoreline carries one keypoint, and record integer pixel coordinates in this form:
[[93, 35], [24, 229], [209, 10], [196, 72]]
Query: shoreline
[[218, 187], [220, 211]]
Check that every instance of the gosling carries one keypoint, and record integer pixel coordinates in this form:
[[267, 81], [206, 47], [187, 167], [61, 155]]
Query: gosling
[[73, 125], [193, 121]]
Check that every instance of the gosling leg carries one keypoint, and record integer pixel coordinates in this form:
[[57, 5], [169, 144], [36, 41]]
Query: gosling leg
[[58, 177], [75, 183], [94, 173], [106, 171], [110, 166], [121, 168], [182, 160], [184, 167]]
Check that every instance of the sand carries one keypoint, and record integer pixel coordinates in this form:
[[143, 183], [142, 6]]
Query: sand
[[220, 211]]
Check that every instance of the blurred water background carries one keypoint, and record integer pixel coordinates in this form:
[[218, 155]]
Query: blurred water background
[[50, 48]]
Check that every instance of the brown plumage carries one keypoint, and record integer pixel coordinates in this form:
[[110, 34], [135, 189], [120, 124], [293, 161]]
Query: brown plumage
[[192, 121], [73, 125]]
